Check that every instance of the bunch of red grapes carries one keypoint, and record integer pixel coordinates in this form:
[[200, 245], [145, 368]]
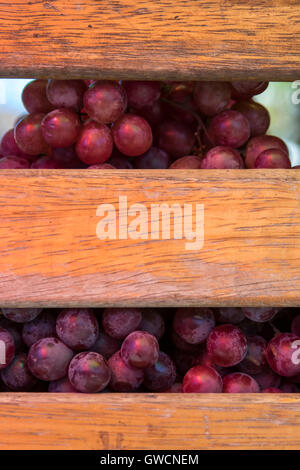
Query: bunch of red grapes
[[189, 350], [144, 125]]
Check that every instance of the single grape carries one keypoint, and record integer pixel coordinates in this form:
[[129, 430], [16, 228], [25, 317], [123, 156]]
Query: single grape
[[282, 356], [152, 322], [28, 134], [140, 349], [202, 379], [238, 382], [77, 328], [257, 115], [187, 115], [66, 156], [259, 144], [229, 128], [21, 315], [260, 314], [105, 345], [124, 378], [154, 113], [49, 358], [7, 348], [46, 163], [66, 93], [95, 143], [141, 94], [193, 325], [61, 127], [221, 158], [42, 326], [227, 345], [175, 138], [161, 375], [34, 97], [183, 345], [271, 390], [244, 90], [268, 378], [61, 386], [132, 135], [153, 159], [233, 315], [295, 326], [119, 322], [105, 102], [212, 97], [89, 372], [9, 147], [255, 359], [272, 158], [190, 162], [13, 162], [17, 376]]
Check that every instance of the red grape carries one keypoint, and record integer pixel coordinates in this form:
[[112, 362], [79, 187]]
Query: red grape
[[61, 386], [255, 359], [259, 144], [66, 93], [17, 376], [77, 328], [178, 91], [15, 330], [152, 322], [154, 114], [257, 115], [221, 158], [40, 327], [49, 358], [153, 159], [212, 97], [7, 348], [190, 162], [105, 102], [34, 97], [193, 325], [21, 315], [132, 135], [202, 379], [271, 390], [9, 147], [183, 345], [229, 129], [260, 314], [268, 378], [176, 138], [237, 382], [141, 94], [272, 158], [46, 163], [29, 136], [61, 128], [13, 162], [124, 378], [175, 388], [244, 90], [89, 372], [161, 375], [227, 345], [140, 349], [95, 143], [281, 355], [105, 345], [119, 322], [233, 315], [120, 161]]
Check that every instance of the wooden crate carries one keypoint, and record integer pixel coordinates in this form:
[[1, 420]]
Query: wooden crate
[[49, 253]]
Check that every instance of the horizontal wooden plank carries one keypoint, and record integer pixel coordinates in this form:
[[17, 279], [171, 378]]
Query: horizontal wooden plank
[[148, 421], [157, 39], [52, 254]]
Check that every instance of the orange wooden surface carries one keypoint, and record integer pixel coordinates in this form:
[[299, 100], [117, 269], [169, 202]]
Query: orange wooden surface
[[50, 254], [147, 421], [150, 39]]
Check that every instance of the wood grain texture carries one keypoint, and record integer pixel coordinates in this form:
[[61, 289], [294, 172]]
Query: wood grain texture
[[149, 421], [156, 39], [50, 254]]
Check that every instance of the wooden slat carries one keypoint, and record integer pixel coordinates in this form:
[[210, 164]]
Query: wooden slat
[[50, 254], [179, 39], [147, 421]]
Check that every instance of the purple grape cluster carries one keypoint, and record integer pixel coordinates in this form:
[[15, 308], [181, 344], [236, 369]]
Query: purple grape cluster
[[189, 350], [143, 125]]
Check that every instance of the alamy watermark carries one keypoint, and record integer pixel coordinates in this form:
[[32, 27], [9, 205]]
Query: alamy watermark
[[296, 93], [157, 222]]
